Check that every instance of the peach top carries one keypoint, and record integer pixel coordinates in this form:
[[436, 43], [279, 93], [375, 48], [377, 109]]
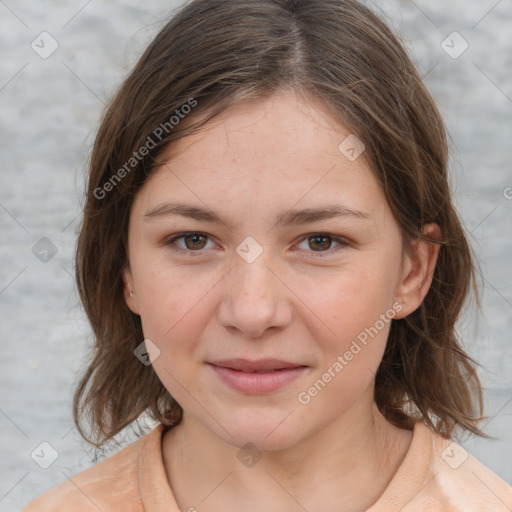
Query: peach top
[[436, 475]]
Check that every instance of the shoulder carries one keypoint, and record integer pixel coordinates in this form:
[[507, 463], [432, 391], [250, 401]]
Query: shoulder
[[111, 485], [439, 475], [459, 480]]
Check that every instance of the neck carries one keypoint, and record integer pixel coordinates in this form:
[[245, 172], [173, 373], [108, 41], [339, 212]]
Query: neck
[[350, 463]]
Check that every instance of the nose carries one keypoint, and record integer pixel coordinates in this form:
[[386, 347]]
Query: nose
[[255, 299]]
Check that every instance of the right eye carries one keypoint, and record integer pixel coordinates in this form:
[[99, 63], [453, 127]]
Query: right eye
[[194, 242]]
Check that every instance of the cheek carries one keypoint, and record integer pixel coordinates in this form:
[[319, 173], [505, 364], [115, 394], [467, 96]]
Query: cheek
[[356, 298], [175, 305], [168, 325], [174, 312], [169, 308], [357, 308]]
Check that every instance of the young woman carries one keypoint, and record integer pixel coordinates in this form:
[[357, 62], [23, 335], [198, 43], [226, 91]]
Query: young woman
[[272, 266]]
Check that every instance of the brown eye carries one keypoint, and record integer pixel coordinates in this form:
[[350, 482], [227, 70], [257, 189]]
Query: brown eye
[[321, 243], [196, 241], [193, 243]]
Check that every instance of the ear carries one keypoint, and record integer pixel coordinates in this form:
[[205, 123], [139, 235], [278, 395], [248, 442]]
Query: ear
[[418, 267], [131, 300]]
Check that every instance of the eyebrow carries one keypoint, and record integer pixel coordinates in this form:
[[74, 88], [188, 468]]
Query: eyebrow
[[291, 217]]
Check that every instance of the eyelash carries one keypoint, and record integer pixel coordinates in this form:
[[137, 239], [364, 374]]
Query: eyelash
[[315, 254]]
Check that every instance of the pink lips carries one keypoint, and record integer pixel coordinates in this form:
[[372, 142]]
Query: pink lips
[[257, 377]]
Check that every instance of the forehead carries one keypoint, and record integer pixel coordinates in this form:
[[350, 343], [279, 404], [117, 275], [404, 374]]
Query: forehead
[[282, 148], [284, 124]]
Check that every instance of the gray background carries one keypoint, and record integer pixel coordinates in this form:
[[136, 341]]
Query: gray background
[[49, 112]]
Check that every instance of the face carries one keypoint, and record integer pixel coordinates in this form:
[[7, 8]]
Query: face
[[268, 319]]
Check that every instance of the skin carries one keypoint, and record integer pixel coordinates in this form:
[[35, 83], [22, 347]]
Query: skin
[[251, 164]]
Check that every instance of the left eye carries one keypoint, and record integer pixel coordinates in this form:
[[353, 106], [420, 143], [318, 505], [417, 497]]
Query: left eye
[[321, 242], [195, 242]]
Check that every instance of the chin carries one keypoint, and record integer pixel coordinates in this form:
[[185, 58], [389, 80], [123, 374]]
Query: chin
[[268, 433]]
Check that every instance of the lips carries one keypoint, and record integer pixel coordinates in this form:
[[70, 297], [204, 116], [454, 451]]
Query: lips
[[258, 366], [257, 377]]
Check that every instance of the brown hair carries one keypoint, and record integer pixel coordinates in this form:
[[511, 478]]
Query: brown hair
[[216, 53]]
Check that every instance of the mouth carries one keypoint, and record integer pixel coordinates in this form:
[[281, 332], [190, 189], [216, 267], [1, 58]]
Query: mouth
[[258, 366], [257, 377]]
